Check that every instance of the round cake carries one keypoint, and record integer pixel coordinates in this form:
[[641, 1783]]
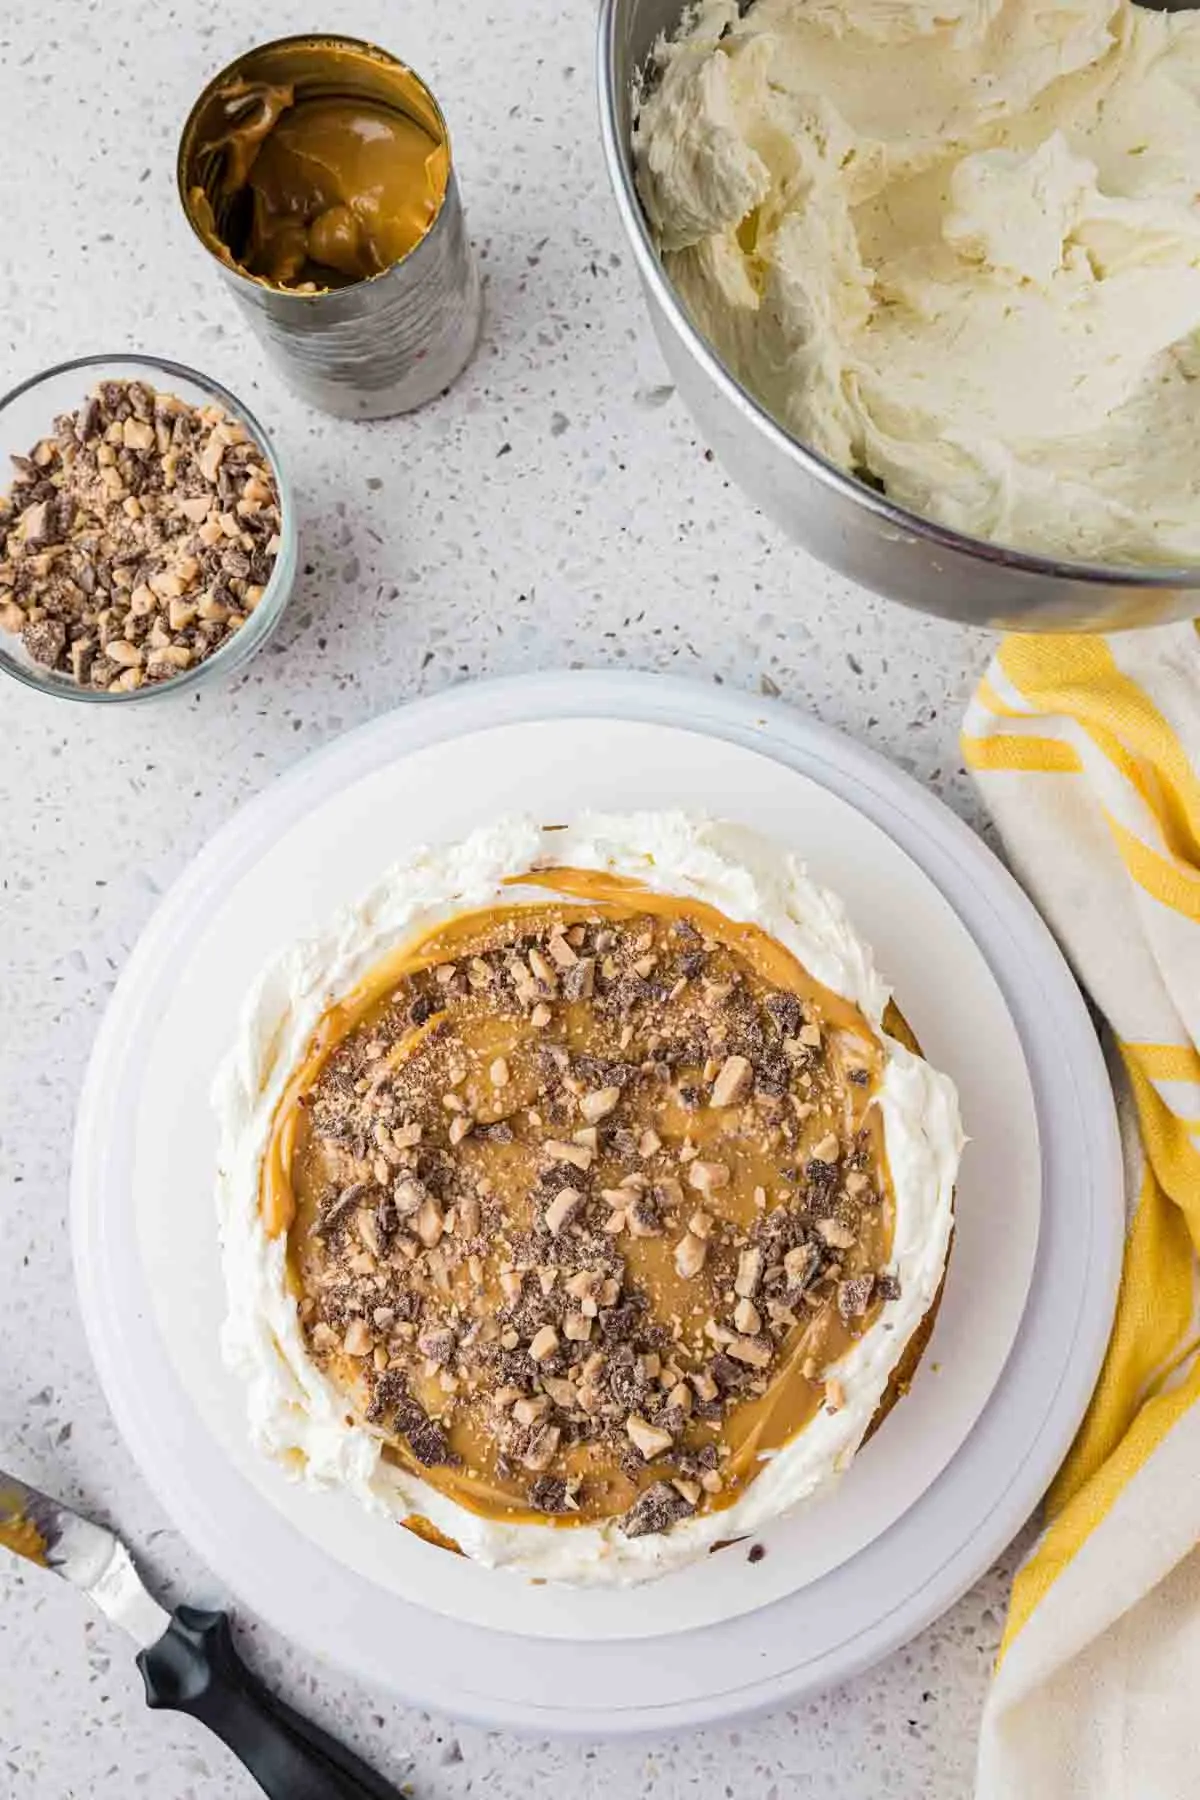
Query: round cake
[[584, 1196]]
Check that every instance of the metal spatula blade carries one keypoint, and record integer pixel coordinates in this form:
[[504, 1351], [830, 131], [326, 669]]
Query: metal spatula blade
[[91, 1558], [187, 1658]]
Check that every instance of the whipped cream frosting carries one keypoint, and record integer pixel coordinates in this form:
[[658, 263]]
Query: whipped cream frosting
[[952, 246], [299, 1418]]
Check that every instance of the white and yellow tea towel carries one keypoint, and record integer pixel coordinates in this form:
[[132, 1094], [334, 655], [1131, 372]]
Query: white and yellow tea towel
[[1087, 754]]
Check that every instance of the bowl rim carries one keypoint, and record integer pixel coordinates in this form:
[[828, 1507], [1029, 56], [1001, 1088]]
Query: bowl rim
[[269, 609], [620, 173]]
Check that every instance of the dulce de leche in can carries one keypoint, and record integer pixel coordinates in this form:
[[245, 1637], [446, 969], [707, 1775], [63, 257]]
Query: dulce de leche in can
[[317, 172]]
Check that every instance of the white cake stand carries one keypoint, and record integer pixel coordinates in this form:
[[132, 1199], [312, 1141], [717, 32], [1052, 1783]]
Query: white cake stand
[[959, 1465]]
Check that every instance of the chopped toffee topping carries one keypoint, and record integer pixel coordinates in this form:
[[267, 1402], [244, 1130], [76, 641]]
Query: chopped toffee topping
[[586, 1200], [136, 538]]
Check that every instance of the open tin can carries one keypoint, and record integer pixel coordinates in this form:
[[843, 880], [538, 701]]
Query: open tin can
[[385, 331]]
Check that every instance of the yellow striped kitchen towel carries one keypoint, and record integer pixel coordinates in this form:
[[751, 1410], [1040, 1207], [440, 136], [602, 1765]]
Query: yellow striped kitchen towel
[[1087, 754]]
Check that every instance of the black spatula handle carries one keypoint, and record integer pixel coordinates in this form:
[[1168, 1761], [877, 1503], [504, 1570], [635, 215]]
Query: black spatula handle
[[195, 1669]]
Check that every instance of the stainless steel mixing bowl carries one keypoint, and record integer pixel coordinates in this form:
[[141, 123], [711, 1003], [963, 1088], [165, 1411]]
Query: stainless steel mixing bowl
[[839, 519]]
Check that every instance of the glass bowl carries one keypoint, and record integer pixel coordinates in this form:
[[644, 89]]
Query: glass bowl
[[28, 413]]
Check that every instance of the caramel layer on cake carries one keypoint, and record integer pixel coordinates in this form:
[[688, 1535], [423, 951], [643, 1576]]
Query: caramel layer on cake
[[584, 1198]]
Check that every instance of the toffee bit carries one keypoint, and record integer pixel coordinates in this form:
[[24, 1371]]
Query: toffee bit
[[734, 1080], [425, 1437], [562, 1209], [647, 1438], [837, 1235], [499, 1131], [854, 1296], [599, 1103], [340, 1204], [644, 1217], [657, 1509], [551, 1494], [707, 1177], [690, 1254], [578, 982]]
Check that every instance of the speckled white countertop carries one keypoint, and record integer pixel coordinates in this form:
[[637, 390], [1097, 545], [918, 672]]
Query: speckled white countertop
[[555, 509]]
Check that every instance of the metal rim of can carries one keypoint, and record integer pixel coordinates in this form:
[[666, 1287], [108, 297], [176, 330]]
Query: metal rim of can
[[338, 40]]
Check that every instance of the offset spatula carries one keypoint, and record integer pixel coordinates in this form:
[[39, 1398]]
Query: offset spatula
[[187, 1657]]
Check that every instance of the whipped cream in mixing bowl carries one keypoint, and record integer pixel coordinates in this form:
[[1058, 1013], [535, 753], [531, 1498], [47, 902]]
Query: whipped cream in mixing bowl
[[954, 248]]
